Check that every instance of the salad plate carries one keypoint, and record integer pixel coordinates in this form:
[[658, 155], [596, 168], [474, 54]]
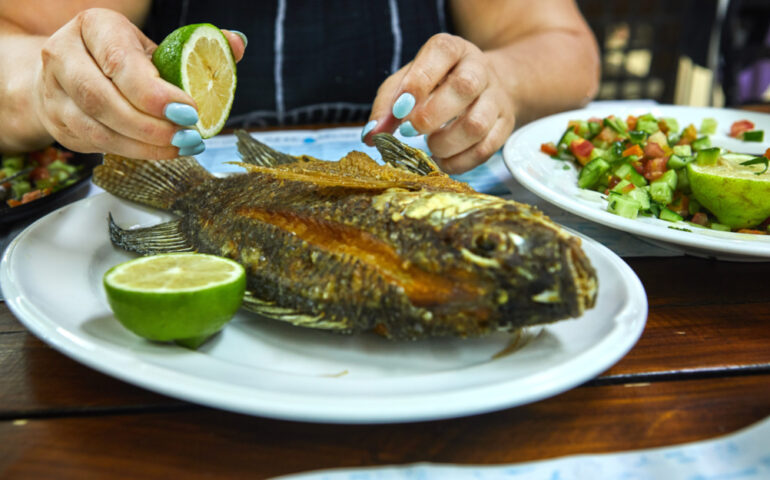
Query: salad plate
[[85, 163], [262, 367], [555, 181]]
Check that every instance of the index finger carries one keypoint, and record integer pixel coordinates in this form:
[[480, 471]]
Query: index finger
[[430, 66], [123, 52]]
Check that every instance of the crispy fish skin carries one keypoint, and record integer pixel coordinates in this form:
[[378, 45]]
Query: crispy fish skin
[[354, 246]]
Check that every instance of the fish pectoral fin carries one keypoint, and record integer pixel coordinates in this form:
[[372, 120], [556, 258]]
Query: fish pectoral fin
[[404, 157], [162, 238], [257, 153], [270, 310]]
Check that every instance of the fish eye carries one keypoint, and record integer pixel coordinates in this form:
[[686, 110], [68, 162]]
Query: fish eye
[[488, 242]]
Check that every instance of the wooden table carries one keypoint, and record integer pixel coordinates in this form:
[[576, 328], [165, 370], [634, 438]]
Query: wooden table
[[701, 369]]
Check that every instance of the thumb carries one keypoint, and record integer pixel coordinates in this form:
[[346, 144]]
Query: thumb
[[381, 119]]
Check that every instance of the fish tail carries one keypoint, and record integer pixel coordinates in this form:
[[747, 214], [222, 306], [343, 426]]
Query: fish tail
[[156, 183], [162, 238], [257, 153]]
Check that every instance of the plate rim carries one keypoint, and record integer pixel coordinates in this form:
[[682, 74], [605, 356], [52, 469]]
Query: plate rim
[[625, 332], [661, 231]]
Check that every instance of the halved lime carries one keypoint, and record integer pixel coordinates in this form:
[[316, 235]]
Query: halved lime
[[182, 297], [197, 58], [739, 195]]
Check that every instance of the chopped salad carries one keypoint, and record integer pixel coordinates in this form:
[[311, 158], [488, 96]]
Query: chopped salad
[[28, 177], [638, 163]]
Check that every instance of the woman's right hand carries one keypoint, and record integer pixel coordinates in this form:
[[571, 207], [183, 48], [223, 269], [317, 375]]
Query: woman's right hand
[[97, 90]]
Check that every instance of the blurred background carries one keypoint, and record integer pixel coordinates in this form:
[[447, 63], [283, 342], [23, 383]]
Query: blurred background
[[684, 52]]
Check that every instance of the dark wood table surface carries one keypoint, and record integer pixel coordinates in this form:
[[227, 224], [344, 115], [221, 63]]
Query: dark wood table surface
[[701, 369]]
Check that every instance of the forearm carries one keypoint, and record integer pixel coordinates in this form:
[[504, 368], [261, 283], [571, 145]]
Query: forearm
[[19, 64], [547, 72]]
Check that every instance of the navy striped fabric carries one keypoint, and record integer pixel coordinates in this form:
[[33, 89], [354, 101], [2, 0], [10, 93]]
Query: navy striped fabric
[[310, 61]]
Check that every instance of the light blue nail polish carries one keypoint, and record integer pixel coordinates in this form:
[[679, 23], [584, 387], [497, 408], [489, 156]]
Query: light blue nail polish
[[186, 138], [194, 150], [243, 37], [406, 129], [181, 114], [368, 128], [404, 104]]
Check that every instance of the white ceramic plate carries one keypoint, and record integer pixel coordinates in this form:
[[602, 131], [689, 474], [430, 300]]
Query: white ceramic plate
[[548, 179], [51, 275]]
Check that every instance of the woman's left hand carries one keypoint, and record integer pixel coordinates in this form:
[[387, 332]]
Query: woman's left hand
[[451, 93]]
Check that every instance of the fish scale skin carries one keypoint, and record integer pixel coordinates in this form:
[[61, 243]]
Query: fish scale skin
[[312, 280]]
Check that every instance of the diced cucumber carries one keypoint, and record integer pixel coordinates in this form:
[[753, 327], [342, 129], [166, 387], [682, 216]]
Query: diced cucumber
[[675, 162], [708, 156], [720, 226], [594, 128], [682, 150], [702, 143], [592, 172], [621, 187], [661, 192], [683, 181], [627, 172], [669, 215], [597, 152], [637, 136], [693, 207], [708, 126], [649, 126], [19, 188], [624, 206], [13, 162], [641, 195], [669, 178], [754, 136]]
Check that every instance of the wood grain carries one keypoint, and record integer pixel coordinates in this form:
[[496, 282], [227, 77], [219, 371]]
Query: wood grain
[[203, 443]]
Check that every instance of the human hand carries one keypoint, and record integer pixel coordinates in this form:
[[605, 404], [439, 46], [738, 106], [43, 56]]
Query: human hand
[[451, 93], [96, 90]]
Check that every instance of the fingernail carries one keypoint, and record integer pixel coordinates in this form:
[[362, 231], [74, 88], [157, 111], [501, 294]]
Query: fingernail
[[243, 37], [194, 150], [181, 114], [186, 138], [368, 128], [406, 129], [404, 104]]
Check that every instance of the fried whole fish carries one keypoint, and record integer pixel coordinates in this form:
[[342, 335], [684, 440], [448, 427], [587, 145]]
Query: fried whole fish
[[400, 249]]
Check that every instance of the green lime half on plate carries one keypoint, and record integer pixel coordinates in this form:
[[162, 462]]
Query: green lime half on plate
[[739, 195], [181, 297], [197, 58]]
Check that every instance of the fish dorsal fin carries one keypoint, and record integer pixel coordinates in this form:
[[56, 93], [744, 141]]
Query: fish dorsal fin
[[403, 156], [257, 153], [289, 315], [162, 238], [328, 180]]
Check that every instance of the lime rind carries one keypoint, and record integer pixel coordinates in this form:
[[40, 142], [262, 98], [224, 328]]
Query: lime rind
[[187, 315], [173, 54]]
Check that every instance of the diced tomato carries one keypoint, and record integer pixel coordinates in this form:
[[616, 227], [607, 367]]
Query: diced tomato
[[638, 166], [631, 122], [581, 149], [614, 180], [737, 128], [663, 126], [32, 195], [700, 218], [633, 150], [653, 150], [655, 168], [752, 231], [39, 173], [595, 120], [549, 148], [13, 203]]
